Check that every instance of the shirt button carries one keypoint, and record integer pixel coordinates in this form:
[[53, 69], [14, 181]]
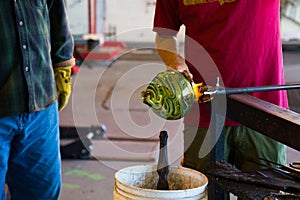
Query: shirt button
[[26, 69], [21, 23], [24, 46]]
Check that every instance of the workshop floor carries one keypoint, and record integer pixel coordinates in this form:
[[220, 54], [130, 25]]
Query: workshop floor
[[110, 96]]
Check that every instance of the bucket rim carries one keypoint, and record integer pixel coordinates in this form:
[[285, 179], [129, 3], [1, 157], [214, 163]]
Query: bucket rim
[[153, 166]]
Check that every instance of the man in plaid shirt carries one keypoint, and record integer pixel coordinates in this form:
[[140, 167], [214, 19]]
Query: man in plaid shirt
[[35, 66]]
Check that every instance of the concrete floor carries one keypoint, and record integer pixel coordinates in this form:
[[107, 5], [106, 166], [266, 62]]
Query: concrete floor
[[104, 95], [111, 96]]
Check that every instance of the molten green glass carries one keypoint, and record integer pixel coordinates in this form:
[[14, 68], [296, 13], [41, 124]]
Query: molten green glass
[[170, 95]]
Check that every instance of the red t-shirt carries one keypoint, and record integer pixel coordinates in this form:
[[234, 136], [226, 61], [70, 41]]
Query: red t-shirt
[[238, 40]]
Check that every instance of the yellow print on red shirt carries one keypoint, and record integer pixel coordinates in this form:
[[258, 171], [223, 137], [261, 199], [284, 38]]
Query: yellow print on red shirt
[[193, 2]]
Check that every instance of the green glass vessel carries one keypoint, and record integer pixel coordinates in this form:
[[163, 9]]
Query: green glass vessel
[[170, 95]]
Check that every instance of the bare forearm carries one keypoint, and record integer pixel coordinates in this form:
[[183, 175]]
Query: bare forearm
[[167, 48]]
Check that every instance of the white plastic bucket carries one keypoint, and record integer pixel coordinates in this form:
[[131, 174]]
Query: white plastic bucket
[[140, 182]]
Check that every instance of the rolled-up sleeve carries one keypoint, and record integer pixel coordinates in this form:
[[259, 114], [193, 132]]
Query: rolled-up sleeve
[[62, 43]]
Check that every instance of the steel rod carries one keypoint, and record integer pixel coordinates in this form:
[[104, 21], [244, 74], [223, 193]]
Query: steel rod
[[242, 90]]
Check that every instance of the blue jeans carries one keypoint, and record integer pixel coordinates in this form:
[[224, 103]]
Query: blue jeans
[[29, 155]]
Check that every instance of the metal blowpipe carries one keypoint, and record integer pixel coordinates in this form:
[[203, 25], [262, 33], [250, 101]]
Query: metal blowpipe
[[227, 91]]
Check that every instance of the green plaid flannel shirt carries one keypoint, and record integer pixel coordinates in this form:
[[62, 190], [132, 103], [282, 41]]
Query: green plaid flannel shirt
[[34, 38]]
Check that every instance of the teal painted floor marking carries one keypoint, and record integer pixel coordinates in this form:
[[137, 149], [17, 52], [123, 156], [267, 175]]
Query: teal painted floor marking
[[70, 186], [83, 173]]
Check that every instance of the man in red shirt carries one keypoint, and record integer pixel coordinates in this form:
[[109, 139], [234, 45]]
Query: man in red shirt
[[239, 41]]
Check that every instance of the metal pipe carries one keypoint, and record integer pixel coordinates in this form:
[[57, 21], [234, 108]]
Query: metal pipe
[[228, 91]]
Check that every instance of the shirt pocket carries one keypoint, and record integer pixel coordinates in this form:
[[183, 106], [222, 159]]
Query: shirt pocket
[[38, 4]]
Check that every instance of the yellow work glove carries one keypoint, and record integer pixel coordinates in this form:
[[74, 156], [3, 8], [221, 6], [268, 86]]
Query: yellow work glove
[[63, 85]]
